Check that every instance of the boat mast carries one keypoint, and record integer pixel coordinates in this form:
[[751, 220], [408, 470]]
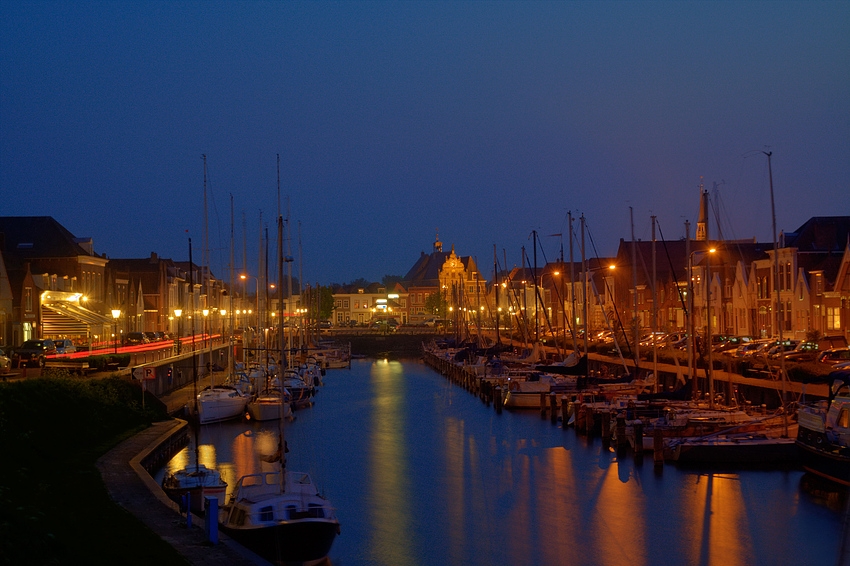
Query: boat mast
[[634, 290], [206, 263], [776, 286], [496, 291], [572, 286], [654, 314]]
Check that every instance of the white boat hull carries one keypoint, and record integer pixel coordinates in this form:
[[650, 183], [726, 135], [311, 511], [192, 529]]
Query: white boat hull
[[220, 404]]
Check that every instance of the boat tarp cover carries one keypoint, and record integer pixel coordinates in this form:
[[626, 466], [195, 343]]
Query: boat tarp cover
[[579, 368]]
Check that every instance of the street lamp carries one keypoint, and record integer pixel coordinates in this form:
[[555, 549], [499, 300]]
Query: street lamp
[[115, 314], [178, 313]]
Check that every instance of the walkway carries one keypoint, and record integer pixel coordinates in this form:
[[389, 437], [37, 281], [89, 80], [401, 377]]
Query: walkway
[[131, 487]]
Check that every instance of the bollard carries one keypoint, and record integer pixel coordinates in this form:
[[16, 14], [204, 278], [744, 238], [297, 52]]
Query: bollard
[[543, 405], [188, 505], [565, 412], [211, 519], [553, 408], [589, 421], [658, 447]]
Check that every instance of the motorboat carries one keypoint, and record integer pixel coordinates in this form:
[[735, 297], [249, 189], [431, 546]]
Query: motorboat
[[197, 482], [823, 432], [281, 516]]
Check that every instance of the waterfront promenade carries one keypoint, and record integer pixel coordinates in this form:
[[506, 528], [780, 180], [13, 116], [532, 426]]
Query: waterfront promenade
[[132, 487]]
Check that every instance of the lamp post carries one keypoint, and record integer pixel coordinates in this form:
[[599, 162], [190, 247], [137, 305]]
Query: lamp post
[[115, 314], [178, 313]]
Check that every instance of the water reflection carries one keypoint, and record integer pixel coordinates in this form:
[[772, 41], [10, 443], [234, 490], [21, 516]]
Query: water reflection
[[423, 473], [389, 486]]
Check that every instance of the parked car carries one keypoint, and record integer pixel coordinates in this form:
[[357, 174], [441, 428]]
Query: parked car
[[5, 363], [324, 324], [64, 346], [804, 352], [731, 344], [135, 338], [34, 352], [834, 356], [787, 346]]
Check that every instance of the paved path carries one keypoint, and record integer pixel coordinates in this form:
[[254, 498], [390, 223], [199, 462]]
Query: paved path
[[131, 487]]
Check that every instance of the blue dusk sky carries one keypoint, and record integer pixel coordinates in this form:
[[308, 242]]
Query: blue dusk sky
[[483, 121]]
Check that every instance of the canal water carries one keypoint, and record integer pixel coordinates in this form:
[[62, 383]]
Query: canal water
[[423, 473]]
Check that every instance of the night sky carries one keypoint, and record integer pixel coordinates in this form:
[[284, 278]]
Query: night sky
[[483, 121]]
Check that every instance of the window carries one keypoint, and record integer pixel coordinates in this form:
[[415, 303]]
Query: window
[[28, 299], [833, 318], [844, 418]]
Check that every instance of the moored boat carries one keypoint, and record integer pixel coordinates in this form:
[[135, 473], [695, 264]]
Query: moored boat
[[823, 433], [220, 403], [281, 516], [198, 482]]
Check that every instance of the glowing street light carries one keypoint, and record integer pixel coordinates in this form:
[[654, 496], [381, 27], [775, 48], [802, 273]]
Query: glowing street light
[[178, 313], [116, 313]]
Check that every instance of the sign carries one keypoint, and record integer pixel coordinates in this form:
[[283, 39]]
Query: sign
[[144, 373]]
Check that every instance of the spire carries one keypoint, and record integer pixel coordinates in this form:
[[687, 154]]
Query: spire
[[702, 223], [438, 245]]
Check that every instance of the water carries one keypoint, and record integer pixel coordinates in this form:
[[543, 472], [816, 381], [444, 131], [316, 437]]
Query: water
[[423, 473]]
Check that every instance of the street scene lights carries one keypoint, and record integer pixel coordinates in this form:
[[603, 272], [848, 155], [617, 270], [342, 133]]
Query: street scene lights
[[115, 314], [178, 313]]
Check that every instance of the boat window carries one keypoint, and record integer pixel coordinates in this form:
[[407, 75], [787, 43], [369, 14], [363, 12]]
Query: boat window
[[267, 513], [844, 418], [316, 511], [290, 512]]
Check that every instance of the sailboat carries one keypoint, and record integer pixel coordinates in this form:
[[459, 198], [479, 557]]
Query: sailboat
[[218, 402], [281, 515], [195, 481]]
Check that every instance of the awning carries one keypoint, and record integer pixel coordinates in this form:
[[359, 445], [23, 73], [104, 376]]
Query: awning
[[71, 319]]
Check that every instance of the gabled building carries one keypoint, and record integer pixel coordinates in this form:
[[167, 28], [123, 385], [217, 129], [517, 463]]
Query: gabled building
[[455, 278], [57, 284]]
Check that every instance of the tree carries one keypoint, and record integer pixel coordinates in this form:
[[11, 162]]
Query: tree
[[437, 304], [326, 302]]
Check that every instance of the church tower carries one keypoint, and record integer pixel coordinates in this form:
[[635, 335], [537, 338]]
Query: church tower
[[702, 223]]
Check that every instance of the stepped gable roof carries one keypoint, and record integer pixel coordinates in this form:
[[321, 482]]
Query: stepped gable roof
[[35, 237], [820, 234]]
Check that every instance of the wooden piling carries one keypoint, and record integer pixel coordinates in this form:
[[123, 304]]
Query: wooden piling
[[622, 441], [606, 430], [658, 447], [553, 408], [565, 412], [637, 426], [543, 405]]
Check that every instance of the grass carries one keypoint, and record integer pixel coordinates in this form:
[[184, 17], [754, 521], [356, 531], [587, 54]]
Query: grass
[[54, 507]]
